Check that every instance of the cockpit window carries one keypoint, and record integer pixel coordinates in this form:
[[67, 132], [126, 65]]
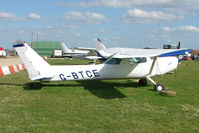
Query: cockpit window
[[113, 61], [137, 60]]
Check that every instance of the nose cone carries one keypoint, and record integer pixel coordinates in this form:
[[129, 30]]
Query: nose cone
[[190, 50]]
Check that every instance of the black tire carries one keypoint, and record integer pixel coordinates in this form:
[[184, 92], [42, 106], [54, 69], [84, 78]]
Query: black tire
[[143, 82], [159, 87]]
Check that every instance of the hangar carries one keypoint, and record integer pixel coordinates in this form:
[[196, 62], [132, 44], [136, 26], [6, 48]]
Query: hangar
[[45, 48]]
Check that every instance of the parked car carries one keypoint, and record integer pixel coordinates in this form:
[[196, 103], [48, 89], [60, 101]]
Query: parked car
[[186, 58]]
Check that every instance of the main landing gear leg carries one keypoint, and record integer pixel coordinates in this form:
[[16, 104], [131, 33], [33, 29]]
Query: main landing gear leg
[[157, 86], [143, 82]]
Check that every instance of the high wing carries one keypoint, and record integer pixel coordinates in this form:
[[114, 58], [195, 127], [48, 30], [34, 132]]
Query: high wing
[[119, 52], [150, 52]]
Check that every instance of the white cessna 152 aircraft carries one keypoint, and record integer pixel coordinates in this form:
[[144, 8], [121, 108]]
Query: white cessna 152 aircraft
[[116, 67]]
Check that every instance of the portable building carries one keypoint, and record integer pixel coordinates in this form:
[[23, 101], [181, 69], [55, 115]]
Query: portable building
[[2, 52], [46, 48]]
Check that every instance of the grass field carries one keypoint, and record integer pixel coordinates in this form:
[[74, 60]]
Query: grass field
[[100, 106]]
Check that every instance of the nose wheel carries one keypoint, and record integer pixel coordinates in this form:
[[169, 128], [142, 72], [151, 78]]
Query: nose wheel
[[157, 86]]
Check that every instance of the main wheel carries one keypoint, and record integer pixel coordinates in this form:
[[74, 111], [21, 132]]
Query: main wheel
[[159, 87], [142, 81]]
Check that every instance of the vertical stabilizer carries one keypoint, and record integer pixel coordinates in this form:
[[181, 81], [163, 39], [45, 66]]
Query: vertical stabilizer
[[36, 66], [65, 49], [99, 46], [101, 49], [178, 45]]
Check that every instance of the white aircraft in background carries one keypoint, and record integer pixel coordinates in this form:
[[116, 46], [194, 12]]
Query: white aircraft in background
[[116, 67], [80, 53], [70, 53]]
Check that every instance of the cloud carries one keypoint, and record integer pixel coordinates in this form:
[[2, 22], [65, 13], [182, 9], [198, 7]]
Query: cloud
[[173, 6], [78, 35], [21, 32], [168, 29], [176, 32], [141, 16], [72, 26], [48, 27], [132, 3], [34, 16], [5, 16], [116, 3], [87, 17], [187, 28], [74, 4]]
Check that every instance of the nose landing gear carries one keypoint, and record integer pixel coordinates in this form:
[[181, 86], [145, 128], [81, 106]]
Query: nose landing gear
[[157, 86]]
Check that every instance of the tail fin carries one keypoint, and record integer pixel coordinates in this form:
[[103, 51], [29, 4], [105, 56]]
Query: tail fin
[[99, 46], [101, 49], [37, 67], [178, 45], [65, 49]]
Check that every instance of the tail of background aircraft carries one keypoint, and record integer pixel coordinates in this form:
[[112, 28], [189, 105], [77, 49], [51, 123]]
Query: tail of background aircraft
[[99, 46], [178, 45], [65, 49], [101, 49], [36, 66]]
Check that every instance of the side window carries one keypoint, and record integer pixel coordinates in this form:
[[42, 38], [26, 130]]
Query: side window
[[113, 61], [137, 60]]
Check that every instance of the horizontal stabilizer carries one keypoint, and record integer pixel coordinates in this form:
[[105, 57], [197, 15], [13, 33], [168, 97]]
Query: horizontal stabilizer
[[41, 78]]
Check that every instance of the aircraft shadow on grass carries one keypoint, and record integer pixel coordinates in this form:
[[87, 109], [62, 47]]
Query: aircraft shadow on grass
[[40, 85], [98, 88], [103, 89]]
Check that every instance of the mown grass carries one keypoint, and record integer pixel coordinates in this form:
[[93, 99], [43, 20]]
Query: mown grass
[[100, 105]]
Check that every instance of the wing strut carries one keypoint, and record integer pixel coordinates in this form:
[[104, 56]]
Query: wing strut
[[152, 66], [151, 69], [149, 78], [157, 86]]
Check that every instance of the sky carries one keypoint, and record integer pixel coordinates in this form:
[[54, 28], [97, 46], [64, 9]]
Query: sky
[[117, 23]]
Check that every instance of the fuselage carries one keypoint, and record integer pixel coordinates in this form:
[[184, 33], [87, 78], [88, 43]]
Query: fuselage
[[137, 67]]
